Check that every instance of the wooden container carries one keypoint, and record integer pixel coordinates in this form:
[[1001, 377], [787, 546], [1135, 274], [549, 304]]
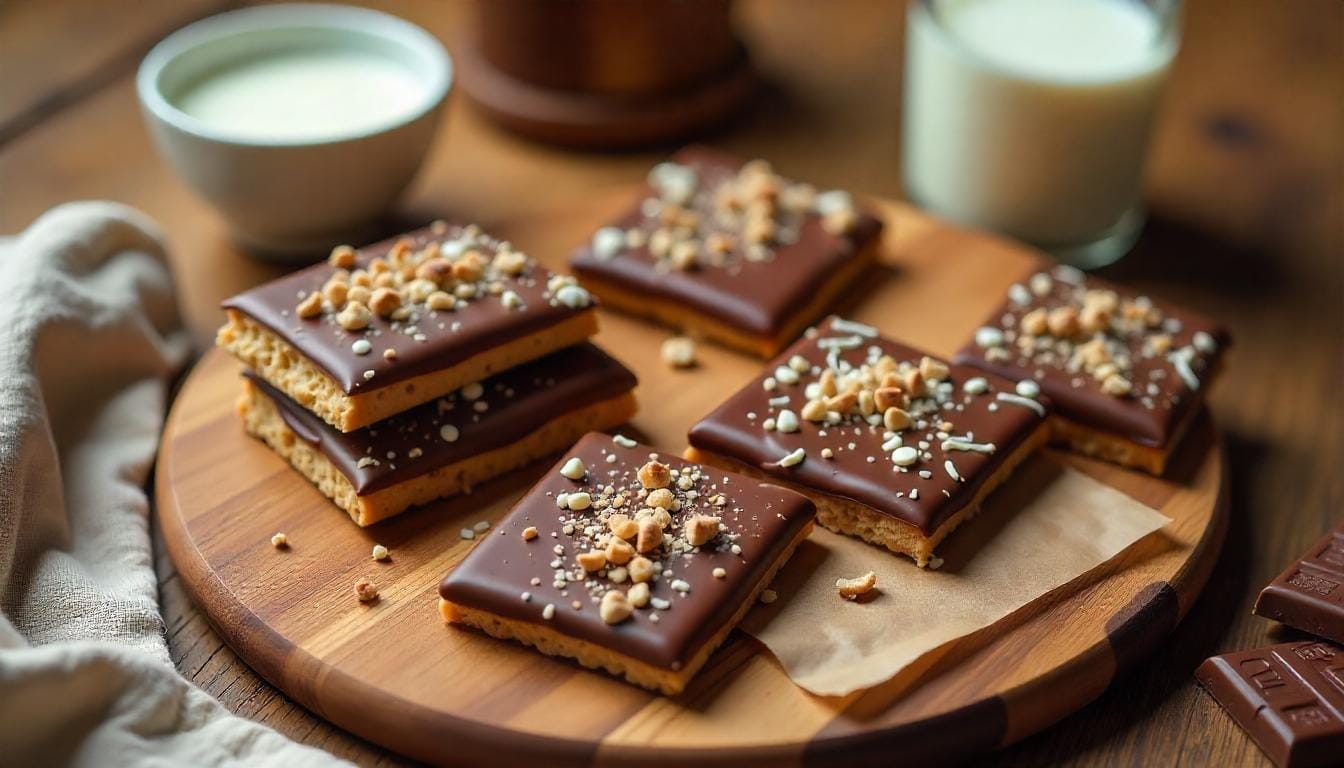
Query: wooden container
[[604, 73]]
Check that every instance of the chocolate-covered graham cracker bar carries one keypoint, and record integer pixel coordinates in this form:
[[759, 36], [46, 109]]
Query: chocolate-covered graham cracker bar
[[1127, 375], [1288, 697], [373, 332], [629, 561], [895, 447], [1309, 594], [730, 251], [445, 446]]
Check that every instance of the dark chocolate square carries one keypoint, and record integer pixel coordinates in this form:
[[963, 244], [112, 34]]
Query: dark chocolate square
[[754, 287], [510, 576], [964, 426], [1309, 594], [1288, 697]]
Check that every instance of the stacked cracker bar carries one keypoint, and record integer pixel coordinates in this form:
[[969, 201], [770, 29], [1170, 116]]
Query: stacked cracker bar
[[412, 369]]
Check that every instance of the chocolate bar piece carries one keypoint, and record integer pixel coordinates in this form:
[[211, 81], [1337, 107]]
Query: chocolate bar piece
[[373, 332], [628, 561], [892, 445], [1288, 697], [445, 446], [1127, 374], [1309, 595], [730, 251]]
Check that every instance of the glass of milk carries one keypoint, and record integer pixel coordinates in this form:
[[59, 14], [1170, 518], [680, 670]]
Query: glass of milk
[[1032, 117]]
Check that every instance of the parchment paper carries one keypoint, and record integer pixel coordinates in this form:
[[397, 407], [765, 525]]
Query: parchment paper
[[1045, 527]]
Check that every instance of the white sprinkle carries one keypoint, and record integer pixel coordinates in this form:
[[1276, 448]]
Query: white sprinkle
[[799, 364], [769, 383], [957, 444], [379, 552], [1028, 388], [1041, 284], [849, 326], [785, 375], [472, 391], [779, 402], [368, 374], [1181, 360], [719, 573], [526, 597], [1018, 294], [1025, 402], [827, 453], [892, 443], [904, 456], [607, 242], [481, 526], [1204, 343], [976, 386], [681, 586], [449, 433], [840, 342], [574, 469], [366, 461], [467, 534], [926, 474], [511, 300], [914, 494], [951, 470], [660, 603], [793, 458], [361, 347], [832, 201], [1070, 275], [573, 296], [548, 612], [579, 501], [988, 336], [623, 441], [768, 425], [787, 421]]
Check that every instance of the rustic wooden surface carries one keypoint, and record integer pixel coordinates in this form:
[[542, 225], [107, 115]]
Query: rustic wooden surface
[[1245, 182], [393, 673]]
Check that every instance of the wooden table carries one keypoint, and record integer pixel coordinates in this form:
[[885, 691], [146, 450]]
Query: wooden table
[[1246, 185]]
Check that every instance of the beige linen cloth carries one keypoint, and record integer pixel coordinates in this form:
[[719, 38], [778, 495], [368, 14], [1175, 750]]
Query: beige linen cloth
[[89, 337]]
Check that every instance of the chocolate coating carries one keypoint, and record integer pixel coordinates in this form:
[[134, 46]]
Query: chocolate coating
[[448, 337], [542, 390], [759, 297], [1162, 400], [764, 520], [732, 431], [1309, 594], [1288, 697]]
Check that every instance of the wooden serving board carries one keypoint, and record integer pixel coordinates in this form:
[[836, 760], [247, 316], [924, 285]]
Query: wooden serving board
[[393, 673]]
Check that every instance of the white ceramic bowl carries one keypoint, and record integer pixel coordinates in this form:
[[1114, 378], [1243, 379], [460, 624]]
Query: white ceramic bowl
[[291, 197]]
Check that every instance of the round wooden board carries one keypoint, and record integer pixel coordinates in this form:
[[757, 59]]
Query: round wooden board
[[393, 673]]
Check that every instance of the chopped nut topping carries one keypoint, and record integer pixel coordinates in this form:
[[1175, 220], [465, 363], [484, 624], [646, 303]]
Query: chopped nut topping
[[529, 533], [655, 475], [355, 316], [700, 529], [860, 585], [638, 595], [615, 607], [619, 551], [280, 541], [592, 560], [641, 568], [366, 591], [311, 306], [650, 535], [769, 596]]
